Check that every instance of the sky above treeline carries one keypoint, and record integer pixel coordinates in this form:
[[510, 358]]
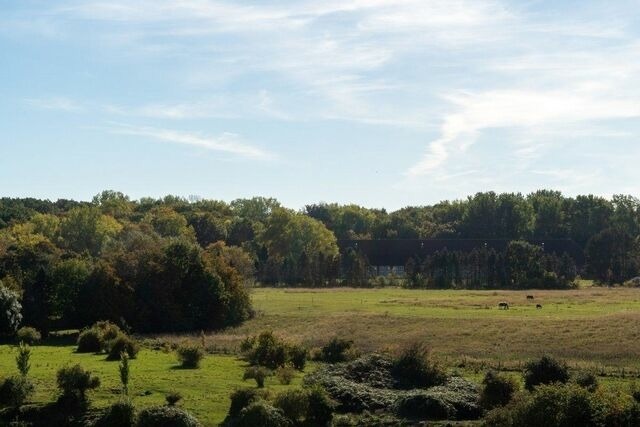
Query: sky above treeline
[[383, 103]]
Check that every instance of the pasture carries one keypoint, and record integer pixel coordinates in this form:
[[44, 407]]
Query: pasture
[[590, 326]]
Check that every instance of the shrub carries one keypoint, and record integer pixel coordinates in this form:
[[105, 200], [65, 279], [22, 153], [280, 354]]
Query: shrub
[[122, 344], [563, 405], [268, 350], [23, 358], [90, 341], [247, 344], [285, 375], [190, 354], [320, 407], [172, 398], [124, 370], [99, 337], [336, 350], [242, 398], [413, 368], [28, 335], [424, 406], [166, 416], [74, 382], [293, 403], [108, 330], [257, 373], [298, 356], [544, 371], [10, 311], [587, 380], [261, 414], [15, 390], [458, 399], [120, 414], [497, 390]]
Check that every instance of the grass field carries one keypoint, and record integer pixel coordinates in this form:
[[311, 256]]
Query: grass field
[[590, 326], [593, 327], [205, 390]]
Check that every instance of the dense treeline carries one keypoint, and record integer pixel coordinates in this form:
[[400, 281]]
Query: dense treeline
[[178, 264], [521, 266]]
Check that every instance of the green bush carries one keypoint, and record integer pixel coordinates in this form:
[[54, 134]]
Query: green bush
[[90, 341], [190, 354], [560, 405], [257, 373], [298, 356], [120, 414], [242, 398], [122, 343], [497, 390], [98, 337], [15, 390], [261, 414], [293, 403], [413, 368], [74, 382], [23, 359], [458, 399], [107, 329], [28, 335], [10, 311], [546, 370], [285, 375], [587, 380], [424, 406], [268, 350], [320, 407], [166, 416], [336, 350]]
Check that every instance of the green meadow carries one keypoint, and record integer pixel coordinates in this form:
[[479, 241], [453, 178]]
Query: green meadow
[[154, 373], [597, 328]]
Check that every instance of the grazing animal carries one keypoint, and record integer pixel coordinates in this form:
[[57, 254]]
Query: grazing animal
[[538, 306], [529, 296], [503, 306]]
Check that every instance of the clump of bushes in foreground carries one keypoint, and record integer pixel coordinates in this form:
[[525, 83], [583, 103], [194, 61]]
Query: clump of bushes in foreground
[[307, 406], [272, 352], [28, 335], [559, 405], [107, 337], [190, 354], [411, 385]]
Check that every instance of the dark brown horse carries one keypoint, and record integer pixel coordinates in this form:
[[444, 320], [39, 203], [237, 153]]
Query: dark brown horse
[[503, 305]]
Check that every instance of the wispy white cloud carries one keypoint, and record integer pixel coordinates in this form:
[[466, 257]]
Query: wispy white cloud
[[463, 68], [226, 142], [520, 108], [58, 103]]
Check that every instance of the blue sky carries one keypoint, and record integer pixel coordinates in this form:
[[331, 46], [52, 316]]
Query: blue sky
[[384, 103]]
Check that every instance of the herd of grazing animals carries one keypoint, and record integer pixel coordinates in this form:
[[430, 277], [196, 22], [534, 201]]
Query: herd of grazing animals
[[503, 305]]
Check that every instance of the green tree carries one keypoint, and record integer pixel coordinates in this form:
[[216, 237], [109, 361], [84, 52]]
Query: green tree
[[10, 311], [87, 229]]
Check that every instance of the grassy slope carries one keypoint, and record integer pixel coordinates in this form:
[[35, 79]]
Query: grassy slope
[[205, 390]]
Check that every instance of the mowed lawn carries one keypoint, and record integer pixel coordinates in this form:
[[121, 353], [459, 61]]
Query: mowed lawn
[[153, 374], [589, 326]]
